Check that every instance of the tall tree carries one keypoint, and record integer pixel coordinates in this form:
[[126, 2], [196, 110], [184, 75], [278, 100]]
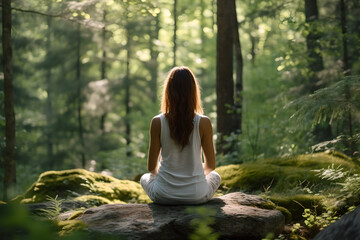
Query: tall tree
[[49, 111], [79, 95], [224, 72], [175, 29], [154, 53], [10, 167], [315, 61], [127, 86], [239, 72], [347, 72], [103, 67], [322, 131]]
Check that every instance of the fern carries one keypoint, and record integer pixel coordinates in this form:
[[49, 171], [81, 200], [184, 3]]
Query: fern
[[330, 103], [54, 210]]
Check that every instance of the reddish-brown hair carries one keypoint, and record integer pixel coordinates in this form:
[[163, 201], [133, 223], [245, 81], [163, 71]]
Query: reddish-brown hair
[[180, 102]]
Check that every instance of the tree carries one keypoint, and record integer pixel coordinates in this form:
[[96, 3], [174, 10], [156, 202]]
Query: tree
[[227, 37], [175, 28], [79, 98], [315, 61], [49, 110], [103, 67], [239, 72], [10, 165]]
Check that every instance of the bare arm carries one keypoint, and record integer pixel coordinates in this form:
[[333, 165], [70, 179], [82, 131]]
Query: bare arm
[[154, 146], [206, 135]]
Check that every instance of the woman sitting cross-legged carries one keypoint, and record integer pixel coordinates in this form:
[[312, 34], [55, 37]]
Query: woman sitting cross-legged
[[179, 137]]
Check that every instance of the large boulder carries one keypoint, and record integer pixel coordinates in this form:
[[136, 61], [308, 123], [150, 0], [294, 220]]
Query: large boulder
[[84, 186], [346, 228], [277, 174], [236, 216]]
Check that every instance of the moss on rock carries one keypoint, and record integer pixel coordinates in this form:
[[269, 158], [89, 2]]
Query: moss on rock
[[75, 183], [281, 174], [286, 213], [297, 203], [70, 226]]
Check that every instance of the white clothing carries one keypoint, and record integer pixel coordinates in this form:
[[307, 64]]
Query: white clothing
[[181, 178]]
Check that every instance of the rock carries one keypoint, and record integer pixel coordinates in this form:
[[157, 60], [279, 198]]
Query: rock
[[278, 174], [236, 216], [81, 185], [346, 228]]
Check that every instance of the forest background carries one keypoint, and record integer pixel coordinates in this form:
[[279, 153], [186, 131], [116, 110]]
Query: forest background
[[282, 78]]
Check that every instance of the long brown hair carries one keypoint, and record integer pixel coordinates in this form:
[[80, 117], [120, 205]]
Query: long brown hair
[[180, 102]]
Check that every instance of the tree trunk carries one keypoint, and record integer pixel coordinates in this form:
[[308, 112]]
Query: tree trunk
[[239, 73], [154, 53], [79, 106], [103, 68], [224, 72], [346, 67], [175, 28], [127, 94], [347, 72], [202, 36], [49, 112], [10, 165], [315, 61]]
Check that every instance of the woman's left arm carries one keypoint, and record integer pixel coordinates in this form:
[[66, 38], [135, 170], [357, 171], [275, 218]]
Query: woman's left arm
[[154, 146]]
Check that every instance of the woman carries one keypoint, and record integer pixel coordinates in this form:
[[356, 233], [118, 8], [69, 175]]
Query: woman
[[177, 173]]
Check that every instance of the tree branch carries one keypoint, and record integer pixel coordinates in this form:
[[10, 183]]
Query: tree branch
[[87, 23]]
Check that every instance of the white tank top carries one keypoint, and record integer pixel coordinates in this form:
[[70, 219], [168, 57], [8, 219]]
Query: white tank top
[[181, 177]]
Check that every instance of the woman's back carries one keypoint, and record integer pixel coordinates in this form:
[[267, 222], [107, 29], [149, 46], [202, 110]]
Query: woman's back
[[181, 175]]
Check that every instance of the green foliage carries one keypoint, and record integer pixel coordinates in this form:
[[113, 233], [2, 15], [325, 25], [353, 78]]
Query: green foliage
[[17, 223], [331, 103], [55, 209], [316, 223], [346, 192], [202, 223]]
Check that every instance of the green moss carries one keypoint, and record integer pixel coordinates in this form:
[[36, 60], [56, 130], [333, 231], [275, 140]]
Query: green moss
[[77, 182], [267, 205], [69, 226], [316, 160], [286, 213], [76, 214], [96, 200], [248, 176], [281, 174], [296, 204]]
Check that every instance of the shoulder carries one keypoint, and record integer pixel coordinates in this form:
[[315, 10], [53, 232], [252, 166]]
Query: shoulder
[[205, 124], [204, 121], [156, 121]]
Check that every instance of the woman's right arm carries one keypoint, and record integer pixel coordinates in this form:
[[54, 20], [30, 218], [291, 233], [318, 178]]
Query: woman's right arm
[[154, 146], [206, 135]]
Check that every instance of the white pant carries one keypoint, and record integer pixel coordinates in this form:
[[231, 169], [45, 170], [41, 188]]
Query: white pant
[[213, 180]]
